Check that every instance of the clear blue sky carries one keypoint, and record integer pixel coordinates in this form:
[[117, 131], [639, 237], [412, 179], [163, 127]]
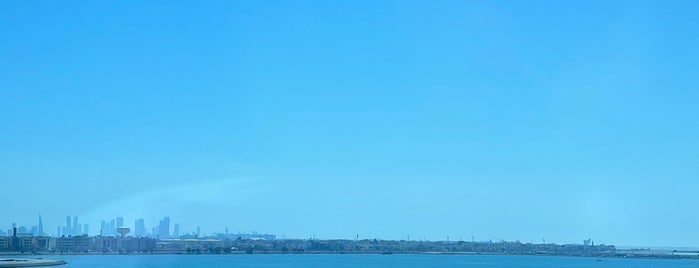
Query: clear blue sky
[[515, 120]]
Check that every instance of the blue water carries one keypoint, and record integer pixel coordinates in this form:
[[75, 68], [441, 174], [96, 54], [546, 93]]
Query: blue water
[[364, 261]]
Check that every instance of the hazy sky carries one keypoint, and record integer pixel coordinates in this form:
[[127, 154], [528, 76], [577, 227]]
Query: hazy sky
[[515, 120]]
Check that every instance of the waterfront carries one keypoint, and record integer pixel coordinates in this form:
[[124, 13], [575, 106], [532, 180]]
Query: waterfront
[[358, 260]]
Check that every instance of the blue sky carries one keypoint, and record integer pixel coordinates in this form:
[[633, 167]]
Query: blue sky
[[496, 119]]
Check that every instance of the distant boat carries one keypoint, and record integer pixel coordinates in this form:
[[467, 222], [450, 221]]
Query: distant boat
[[7, 263], [598, 259]]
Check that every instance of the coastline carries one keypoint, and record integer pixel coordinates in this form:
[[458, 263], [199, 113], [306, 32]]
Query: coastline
[[617, 256], [128, 245]]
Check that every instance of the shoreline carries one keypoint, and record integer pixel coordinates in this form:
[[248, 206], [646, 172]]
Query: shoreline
[[617, 256]]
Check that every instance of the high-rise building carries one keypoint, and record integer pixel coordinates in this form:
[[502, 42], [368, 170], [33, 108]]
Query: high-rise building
[[68, 229], [40, 230], [176, 231], [140, 228], [86, 228], [77, 227], [103, 228], [112, 227], [164, 228], [119, 222]]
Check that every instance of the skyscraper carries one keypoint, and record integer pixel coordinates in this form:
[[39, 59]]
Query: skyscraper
[[77, 228], [68, 229], [176, 230], [164, 228], [40, 230], [112, 227], [140, 228], [119, 222], [103, 228]]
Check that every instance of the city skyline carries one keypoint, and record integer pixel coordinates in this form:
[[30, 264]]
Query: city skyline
[[107, 227], [503, 119], [162, 231]]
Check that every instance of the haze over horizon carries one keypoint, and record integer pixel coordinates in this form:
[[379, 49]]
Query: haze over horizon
[[493, 119]]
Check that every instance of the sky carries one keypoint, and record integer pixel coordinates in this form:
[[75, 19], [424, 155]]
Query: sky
[[485, 120]]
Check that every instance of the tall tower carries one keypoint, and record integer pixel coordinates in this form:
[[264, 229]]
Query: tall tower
[[40, 230], [68, 229], [76, 226], [164, 228], [140, 228]]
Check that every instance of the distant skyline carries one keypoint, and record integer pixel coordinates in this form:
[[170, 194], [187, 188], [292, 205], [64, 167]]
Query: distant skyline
[[514, 120], [163, 228]]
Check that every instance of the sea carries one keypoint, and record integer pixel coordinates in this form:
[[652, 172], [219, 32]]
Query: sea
[[357, 260]]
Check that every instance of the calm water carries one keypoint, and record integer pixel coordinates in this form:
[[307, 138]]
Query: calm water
[[365, 261]]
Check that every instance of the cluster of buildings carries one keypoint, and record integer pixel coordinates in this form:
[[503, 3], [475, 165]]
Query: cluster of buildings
[[73, 227], [17, 242], [75, 244], [162, 230], [263, 243], [37, 230], [115, 237]]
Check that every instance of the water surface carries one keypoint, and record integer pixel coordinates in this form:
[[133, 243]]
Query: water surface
[[365, 261]]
